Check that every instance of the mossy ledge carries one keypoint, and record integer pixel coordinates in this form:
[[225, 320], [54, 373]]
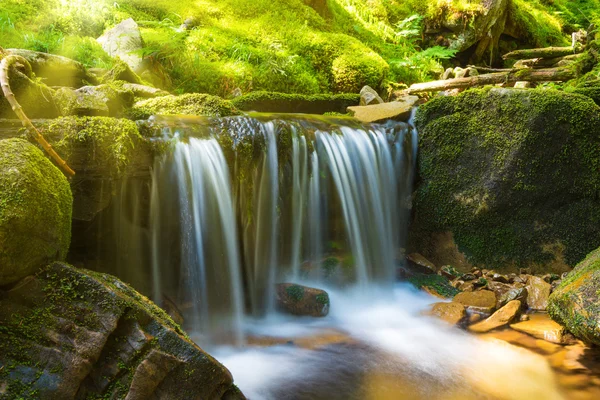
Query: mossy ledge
[[186, 104], [296, 103], [64, 334], [512, 175]]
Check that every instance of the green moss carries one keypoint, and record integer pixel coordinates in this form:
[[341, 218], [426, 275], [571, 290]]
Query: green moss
[[295, 103], [295, 292], [434, 282], [187, 104], [322, 298], [121, 72], [574, 303], [35, 210], [512, 173], [112, 141]]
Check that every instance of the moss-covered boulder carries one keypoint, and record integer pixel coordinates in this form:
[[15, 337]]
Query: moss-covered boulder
[[69, 333], [102, 100], [102, 151], [508, 178], [302, 300], [35, 211], [575, 302]]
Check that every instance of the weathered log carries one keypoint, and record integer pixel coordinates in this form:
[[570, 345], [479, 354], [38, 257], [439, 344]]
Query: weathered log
[[547, 52], [488, 69], [5, 65], [528, 75], [545, 62]]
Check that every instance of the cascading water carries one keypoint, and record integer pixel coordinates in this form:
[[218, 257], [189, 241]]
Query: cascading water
[[239, 204]]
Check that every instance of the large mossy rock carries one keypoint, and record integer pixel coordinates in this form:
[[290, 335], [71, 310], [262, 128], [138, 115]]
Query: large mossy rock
[[296, 103], [575, 303], [508, 178], [68, 333], [35, 211], [198, 104]]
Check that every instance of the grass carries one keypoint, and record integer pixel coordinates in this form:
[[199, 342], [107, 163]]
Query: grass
[[272, 45]]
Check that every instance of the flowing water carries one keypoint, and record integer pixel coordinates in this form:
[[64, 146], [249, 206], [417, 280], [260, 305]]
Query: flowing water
[[236, 205]]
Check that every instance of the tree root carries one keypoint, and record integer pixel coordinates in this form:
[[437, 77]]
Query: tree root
[[18, 61]]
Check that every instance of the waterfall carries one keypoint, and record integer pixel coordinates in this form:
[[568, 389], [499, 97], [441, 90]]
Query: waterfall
[[239, 204]]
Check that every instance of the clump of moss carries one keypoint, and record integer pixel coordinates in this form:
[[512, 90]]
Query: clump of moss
[[295, 292], [110, 142], [35, 211], [436, 283], [187, 104], [121, 72], [512, 174]]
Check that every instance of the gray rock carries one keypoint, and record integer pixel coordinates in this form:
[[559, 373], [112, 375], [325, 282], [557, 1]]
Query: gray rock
[[369, 96], [302, 300], [124, 41]]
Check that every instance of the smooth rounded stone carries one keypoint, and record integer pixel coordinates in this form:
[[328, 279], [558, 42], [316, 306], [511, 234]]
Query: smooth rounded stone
[[482, 300], [541, 326], [500, 289], [469, 277], [453, 312], [77, 334], [457, 283], [35, 211], [474, 317], [399, 110], [500, 318], [513, 294], [147, 92], [477, 273], [369, 96], [302, 300], [418, 263], [538, 292]]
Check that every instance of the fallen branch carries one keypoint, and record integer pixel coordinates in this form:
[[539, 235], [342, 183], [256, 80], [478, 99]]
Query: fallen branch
[[488, 70], [547, 52], [546, 62], [528, 75], [5, 65]]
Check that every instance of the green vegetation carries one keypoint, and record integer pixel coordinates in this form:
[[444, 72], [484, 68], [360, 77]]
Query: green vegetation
[[288, 46], [435, 283]]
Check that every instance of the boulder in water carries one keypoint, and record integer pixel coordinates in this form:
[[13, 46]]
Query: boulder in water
[[453, 312], [500, 318], [542, 327], [507, 177], [70, 333], [302, 300], [575, 302], [35, 211]]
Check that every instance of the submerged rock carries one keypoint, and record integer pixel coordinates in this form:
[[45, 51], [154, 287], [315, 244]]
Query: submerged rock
[[70, 333], [302, 300], [453, 312], [35, 211], [507, 177], [542, 327], [575, 303], [500, 318]]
